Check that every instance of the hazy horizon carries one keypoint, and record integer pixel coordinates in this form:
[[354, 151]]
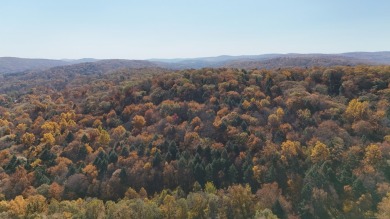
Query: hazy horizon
[[175, 29], [197, 57]]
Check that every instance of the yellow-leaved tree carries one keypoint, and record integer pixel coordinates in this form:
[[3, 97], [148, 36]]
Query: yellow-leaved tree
[[289, 150], [18, 206], [319, 153], [67, 119], [104, 137], [48, 138], [357, 110], [373, 155], [28, 139], [51, 127]]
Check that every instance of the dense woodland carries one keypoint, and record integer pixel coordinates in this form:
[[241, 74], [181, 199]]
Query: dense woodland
[[209, 143]]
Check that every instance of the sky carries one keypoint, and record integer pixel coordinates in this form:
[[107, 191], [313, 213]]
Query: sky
[[144, 29]]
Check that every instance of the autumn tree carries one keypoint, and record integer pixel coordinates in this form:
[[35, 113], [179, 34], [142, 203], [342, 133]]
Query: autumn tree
[[48, 139], [357, 110], [56, 190], [138, 122], [373, 155], [384, 208], [320, 152], [28, 139]]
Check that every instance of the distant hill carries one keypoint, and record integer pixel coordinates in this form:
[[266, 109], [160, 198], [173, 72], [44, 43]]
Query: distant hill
[[298, 61], [377, 57], [90, 65], [77, 61], [60, 76], [87, 68], [99, 67], [278, 60], [203, 62], [13, 64]]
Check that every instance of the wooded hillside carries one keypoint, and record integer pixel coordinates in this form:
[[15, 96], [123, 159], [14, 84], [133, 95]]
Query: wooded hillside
[[227, 143]]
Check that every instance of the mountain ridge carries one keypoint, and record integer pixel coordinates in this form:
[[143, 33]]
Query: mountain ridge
[[16, 64], [272, 60]]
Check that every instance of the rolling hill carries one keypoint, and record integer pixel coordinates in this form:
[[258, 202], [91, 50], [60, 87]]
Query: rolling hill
[[268, 61], [58, 77], [13, 64], [304, 61]]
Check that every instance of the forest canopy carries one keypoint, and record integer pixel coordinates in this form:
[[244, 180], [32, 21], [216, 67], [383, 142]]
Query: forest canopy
[[223, 142]]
